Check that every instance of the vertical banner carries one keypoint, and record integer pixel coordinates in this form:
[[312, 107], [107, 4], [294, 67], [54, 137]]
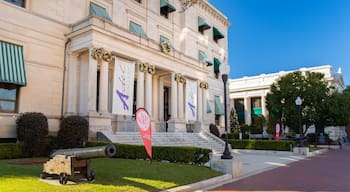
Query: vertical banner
[[123, 87], [191, 100], [143, 121]]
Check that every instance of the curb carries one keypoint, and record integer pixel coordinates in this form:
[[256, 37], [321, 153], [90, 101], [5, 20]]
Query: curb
[[201, 184]]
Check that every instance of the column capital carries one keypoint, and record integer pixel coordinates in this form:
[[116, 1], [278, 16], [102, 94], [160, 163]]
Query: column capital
[[203, 85], [101, 53], [180, 78]]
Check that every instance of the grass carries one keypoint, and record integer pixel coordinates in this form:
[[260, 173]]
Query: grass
[[111, 175]]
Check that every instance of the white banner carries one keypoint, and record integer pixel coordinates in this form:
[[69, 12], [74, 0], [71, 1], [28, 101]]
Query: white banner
[[123, 87], [191, 100]]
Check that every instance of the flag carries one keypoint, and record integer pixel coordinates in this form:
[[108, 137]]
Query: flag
[[191, 100], [123, 87], [143, 121]]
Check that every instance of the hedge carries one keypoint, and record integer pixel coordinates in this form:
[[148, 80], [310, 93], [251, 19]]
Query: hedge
[[160, 153], [10, 150], [262, 144]]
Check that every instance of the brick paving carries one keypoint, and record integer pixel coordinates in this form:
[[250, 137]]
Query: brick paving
[[329, 171]]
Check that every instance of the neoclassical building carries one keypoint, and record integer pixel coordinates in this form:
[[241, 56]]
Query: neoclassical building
[[248, 94], [103, 59]]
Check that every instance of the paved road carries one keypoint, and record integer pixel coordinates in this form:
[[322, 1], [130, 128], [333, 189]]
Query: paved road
[[329, 171]]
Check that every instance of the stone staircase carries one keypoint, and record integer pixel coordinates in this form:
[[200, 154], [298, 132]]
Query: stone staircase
[[202, 139]]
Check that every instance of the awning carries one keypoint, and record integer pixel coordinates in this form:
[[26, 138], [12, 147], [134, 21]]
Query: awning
[[257, 111], [202, 25], [219, 108], [166, 6], [136, 28], [208, 107], [99, 11], [217, 34], [217, 64], [203, 58], [166, 40], [12, 64]]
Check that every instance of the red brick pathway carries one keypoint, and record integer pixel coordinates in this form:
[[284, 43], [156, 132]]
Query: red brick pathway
[[329, 171]]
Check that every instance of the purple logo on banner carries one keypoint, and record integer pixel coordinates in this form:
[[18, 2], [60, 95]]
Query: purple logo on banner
[[123, 97], [192, 108]]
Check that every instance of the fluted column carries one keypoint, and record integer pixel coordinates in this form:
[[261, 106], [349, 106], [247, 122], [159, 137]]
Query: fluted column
[[161, 99], [155, 101], [92, 79], [247, 109], [103, 97], [140, 88], [263, 106], [200, 102], [173, 97], [180, 89], [72, 84], [148, 93]]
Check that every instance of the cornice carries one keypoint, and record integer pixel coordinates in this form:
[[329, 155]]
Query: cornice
[[211, 10]]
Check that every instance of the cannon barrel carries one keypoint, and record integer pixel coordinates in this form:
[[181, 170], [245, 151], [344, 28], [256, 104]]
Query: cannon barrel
[[88, 153]]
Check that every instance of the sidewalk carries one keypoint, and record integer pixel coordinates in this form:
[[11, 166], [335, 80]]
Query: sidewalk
[[253, 162]]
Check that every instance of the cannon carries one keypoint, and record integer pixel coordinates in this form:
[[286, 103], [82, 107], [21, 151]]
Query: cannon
[[74, 164]]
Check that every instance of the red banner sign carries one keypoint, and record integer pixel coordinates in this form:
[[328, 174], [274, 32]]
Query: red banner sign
[[143, 121]]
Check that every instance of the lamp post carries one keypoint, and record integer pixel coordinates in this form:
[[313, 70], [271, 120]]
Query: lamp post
[[298, 102], [225, 69]]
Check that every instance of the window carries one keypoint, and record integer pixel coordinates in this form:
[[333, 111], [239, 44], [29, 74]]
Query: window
[[166, 8], [19, 3], [139, 1], [217, 64], [136, 28], [217, 34], [8, 98], [12, 75], [204, 59], [202, 25], [99, 11]]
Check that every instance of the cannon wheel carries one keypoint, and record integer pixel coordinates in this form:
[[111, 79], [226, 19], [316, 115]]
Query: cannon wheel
[[91, 176], [43, 175], [63, 178]]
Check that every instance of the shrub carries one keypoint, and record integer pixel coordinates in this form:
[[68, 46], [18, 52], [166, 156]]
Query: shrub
[[262, 144], [214, 130], [236, 136], [73, 132], [170, 153], [10, 150], [32, 129]]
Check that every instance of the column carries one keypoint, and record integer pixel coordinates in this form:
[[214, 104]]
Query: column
[[155, 101], [180, 89], [205, 98], [247, 111], [263, 106], [72, 84], [161, 99], [148, 93], [140, 88], [103, 97], [173, 97], [92, 79], [200, 103]]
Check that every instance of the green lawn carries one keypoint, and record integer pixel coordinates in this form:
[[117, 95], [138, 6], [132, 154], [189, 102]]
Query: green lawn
[[111, 175]]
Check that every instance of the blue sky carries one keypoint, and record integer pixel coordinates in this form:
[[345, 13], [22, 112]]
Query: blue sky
[[269, 36]]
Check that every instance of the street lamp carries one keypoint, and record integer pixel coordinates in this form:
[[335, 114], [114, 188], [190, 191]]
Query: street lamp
[[225, 69], [298, 102]]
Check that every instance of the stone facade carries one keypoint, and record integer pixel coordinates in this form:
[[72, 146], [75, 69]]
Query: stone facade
[[59, 38]]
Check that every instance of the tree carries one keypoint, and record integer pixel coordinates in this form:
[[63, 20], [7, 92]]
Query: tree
[[311, 87], [235, 127], [336, 109]]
